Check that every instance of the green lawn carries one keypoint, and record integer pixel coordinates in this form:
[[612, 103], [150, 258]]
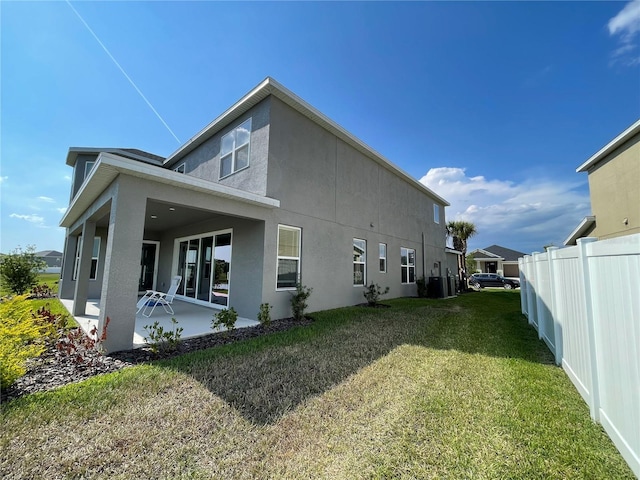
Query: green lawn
[[458, 388]]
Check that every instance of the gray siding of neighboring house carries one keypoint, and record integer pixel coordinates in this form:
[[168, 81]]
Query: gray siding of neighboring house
[[204, 161]]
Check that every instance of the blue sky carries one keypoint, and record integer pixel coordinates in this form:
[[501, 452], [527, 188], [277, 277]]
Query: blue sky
[[491, 104]]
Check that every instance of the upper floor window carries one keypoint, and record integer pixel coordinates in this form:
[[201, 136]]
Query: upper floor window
[[359, 262], [234, 149], [436, 213], [288, 257], [87, 168], [383, 257], [408, 265], [180, 168]]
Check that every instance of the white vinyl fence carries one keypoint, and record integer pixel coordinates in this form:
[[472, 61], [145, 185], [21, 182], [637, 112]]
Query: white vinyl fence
[[584, 301]]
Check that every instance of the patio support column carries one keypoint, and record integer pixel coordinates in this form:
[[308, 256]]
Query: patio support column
[[84, 268], [66, 288], [122, 265]]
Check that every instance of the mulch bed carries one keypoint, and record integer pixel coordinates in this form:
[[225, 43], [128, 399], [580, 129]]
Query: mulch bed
[[54, 369]]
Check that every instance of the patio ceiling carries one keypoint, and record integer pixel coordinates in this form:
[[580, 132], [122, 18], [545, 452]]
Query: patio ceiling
[[162, 216]]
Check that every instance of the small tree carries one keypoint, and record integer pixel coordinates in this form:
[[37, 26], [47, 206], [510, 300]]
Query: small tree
[[19, 270], [299, 301], [373, 293]]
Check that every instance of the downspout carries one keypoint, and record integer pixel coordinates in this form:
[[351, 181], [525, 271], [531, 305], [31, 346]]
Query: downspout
[[424, 260]]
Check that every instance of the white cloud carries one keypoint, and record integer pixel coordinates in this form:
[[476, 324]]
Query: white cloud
[[62, 210], [626, 25], [522, 217], [3, 179], [46, 199], [37, 219], [67, 178]]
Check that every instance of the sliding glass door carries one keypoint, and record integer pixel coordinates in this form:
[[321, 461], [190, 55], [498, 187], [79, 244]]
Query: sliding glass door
[[204, 262]]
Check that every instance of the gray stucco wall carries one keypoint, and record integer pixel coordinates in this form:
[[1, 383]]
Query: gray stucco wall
[[204, 161], [335, 193]]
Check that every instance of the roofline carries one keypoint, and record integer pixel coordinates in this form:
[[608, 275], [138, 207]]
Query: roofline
[[269, 86], [489, 254], [582, 227], [108, 166], [611, 146], [73, 153]]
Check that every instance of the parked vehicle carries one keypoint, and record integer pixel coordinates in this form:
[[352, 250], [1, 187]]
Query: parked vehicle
[[481, 280]]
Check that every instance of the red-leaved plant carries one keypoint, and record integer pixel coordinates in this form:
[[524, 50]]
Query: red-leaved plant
[[84, 349]]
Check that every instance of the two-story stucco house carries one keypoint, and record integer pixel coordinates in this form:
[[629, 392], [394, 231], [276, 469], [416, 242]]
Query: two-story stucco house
[[272, 192], [614, 189]]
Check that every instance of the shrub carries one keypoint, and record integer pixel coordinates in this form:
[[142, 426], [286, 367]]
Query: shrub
[[226, 318], [373, 293], [19, 270], [421, 283], [264, 315], [82, 348], [57, 321], [42, 291], [163, 341], [299, 301], [21, 338]]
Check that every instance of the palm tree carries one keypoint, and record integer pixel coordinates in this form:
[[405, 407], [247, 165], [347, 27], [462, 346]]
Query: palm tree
[[460, 232]]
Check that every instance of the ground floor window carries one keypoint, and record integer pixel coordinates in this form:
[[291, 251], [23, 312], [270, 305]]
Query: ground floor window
[[359, 262], [95, 255], [408, 265], [383, 257], [288, 257], [204, 263]]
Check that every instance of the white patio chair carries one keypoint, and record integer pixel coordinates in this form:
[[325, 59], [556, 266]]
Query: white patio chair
[[153, 298]]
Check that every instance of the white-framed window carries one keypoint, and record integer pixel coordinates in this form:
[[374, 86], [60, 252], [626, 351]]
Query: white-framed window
[[180, 168], [234, 149], [359, 262], [382, 248], [288, 269], [88, 167], [95, 255], [408, 265], [436, 213]]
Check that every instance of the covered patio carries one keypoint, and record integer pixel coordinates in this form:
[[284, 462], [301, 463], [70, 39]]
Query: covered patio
[[194, 319]]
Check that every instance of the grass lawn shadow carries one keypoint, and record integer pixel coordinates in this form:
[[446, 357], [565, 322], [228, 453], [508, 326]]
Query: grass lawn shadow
[[267, 377]]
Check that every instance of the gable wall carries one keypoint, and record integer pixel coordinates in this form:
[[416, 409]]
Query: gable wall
[[335, 193], [615, 192], [204, 161]]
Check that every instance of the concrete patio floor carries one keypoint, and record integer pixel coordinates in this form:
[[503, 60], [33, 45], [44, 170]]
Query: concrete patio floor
[[194, 319]]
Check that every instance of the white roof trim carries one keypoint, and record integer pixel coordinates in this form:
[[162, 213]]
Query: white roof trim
[[109, 166], [610, 147], [452, 250], [270, 87], [73, 153], [489, 255], [584, 225]]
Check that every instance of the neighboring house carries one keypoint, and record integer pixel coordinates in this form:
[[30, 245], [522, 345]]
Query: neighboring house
[[497, 259], [614, 188], [52, 258], [269, 194]]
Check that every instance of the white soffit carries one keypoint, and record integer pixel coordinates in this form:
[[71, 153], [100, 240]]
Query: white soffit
[[109, 166], [579, 231]]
